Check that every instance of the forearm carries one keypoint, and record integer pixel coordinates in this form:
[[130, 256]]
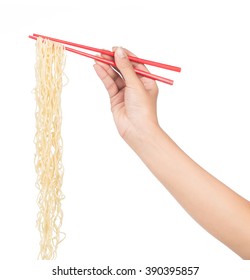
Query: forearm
[[217, 208]]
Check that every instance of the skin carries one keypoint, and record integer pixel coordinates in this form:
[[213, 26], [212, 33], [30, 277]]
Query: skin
[[217, 208]]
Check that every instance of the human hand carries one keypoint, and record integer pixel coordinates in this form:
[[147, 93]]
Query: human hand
[[132, 97]]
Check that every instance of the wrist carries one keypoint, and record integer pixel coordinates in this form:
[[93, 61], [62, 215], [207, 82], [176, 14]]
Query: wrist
[[140, 139]]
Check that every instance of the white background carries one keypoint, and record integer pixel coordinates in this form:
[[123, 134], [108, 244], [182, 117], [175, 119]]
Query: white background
[[115, 212]]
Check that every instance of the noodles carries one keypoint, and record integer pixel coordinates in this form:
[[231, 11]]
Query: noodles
[[50, 59]]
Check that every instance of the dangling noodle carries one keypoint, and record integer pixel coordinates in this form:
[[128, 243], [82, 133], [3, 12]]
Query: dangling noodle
[[50, 60]]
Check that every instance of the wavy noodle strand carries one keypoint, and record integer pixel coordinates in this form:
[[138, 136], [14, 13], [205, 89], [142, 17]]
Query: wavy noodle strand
[[50, 60]]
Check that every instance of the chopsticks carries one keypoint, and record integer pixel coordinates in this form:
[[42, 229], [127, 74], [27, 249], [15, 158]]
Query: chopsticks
[[111, 62]]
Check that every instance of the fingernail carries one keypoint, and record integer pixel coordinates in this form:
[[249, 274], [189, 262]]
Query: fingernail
[[120, 52]]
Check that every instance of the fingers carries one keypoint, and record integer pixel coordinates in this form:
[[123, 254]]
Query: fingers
[[135, 64], [107, 80], [107, 67], [126, 68], [149, 84], [111, 72]]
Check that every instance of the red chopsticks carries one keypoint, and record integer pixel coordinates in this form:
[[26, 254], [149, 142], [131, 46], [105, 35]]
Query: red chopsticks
[[111, 62]]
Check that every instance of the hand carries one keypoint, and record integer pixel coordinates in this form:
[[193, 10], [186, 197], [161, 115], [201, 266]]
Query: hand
[[132, 97]]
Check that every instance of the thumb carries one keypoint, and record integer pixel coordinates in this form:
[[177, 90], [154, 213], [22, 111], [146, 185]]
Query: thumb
[[126, 68]]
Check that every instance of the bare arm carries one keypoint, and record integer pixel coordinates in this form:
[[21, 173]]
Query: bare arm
[[217, 208], [221, 211]]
